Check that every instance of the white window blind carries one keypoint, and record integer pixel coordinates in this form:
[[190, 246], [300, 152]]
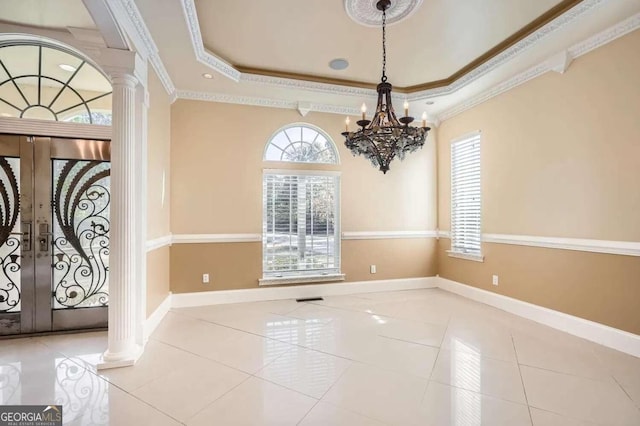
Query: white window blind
[[300, 224], [466, 196]]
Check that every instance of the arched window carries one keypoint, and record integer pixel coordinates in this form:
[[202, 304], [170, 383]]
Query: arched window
[[49, 82], [301, 221], [301, 143]]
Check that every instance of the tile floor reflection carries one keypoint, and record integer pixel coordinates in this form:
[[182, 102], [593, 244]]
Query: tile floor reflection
[[418, 357]]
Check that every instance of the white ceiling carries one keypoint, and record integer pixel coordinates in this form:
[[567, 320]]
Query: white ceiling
[[440, 38], [54, 14], [166, 22], [301, 36]]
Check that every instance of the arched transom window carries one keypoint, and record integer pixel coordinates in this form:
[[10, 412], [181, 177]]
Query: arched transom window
[[300, 221], [301, 143], [50, 83]]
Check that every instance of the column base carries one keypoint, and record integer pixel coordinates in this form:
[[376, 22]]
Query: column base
[[126, 359]]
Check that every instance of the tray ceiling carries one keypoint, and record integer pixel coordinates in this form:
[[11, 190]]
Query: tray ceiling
[[293, 38]]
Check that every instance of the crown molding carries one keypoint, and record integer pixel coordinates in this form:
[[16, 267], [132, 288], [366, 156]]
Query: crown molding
[[266, 102], [551, 64], [414, 93], [202, 55], [128, 16], [311, 86]]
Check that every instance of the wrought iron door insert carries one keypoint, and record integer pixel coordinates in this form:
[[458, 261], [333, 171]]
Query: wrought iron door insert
[[54, 234]]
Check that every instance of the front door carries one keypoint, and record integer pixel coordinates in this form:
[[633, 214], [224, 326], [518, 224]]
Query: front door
[[54, 234]]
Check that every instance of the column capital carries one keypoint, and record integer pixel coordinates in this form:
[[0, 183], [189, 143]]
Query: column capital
[[123, 79], [120, 63]]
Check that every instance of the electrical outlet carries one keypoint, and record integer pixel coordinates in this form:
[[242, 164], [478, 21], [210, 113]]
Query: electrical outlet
[[495, 280], [205, 278], [372, 269]]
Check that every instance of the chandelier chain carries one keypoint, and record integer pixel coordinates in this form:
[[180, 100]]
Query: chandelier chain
[[384, 45], [385, 136]]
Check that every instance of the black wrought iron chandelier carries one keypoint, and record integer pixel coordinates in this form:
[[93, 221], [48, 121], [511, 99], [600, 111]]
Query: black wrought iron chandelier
[[385, 136]]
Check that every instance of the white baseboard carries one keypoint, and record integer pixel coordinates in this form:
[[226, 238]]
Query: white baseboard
[[156, 317], [590, 330], [183, 300]]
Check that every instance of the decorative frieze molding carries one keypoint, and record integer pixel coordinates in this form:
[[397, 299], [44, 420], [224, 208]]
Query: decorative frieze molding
[[311, 86], [625, 248], [266, 102], [383, 235], [202, 55], [228, 70], [508, 54], [128, 16], [551, 64]]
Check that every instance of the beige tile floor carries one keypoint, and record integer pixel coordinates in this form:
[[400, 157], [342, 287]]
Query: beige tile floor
[[419, 357]]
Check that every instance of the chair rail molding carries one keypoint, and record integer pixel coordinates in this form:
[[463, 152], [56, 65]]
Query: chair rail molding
[[215, 238], [251, 237], [159, 242], [384, 235], [625, 248]]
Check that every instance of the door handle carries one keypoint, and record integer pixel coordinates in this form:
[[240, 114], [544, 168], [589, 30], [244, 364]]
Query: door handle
[[26, 236], [43, 237]]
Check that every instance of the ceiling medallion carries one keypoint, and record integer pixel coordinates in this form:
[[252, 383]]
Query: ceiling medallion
[[365, 12], [385, 136]]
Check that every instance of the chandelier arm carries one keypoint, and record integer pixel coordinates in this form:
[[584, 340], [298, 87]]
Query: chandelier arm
[[385, 136]]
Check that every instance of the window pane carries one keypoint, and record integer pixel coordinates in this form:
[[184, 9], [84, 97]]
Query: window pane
[[299, 228], [466, 196], [49, 83], [301, 144]]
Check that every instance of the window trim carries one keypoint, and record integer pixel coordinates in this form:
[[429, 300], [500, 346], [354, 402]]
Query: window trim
[[299, 278], [302, 124], [477, 257]]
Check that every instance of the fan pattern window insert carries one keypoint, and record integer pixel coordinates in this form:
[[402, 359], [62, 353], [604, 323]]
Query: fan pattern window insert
[[49, 83], [301, 144]]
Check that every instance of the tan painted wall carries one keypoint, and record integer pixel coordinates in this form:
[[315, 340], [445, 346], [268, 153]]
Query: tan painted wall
[[216, 185], [560, 157], [158, 275], [158, 205], [239, 265], [600, 287]]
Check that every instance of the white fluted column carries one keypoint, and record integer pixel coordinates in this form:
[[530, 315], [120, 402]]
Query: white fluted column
[[123, 256]]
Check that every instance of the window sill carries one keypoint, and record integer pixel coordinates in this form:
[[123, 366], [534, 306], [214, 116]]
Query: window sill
[[301, 279], [466, 256]]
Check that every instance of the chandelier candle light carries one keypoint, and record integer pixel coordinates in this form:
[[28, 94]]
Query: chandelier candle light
[[385, 136]]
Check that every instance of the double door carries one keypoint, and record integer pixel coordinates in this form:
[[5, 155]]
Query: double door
[[54, 234]]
